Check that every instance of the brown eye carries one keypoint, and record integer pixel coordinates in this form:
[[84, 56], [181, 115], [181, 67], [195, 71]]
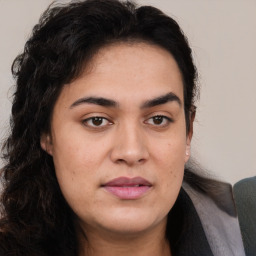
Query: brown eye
[[158, 120], [96, 121]]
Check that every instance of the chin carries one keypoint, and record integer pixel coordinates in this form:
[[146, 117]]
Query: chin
[[132, 222]]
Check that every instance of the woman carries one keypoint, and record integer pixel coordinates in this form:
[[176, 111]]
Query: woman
[[102, 122]]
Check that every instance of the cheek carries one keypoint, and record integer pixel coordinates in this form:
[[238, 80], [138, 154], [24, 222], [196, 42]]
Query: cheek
[[171, 166], [169, 163], [171, 152], [72, 149], [75, 166]]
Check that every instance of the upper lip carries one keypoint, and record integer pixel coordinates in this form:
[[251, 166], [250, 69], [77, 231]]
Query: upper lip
[[126, 181]]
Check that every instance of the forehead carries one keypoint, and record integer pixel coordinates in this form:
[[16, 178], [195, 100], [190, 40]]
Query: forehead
[[128, 71]]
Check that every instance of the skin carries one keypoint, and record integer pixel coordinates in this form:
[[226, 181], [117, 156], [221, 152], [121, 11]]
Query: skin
[[128, 141]]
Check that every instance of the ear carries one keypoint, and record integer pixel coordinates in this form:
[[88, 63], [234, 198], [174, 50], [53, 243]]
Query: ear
[[46, 143], [189, 135]]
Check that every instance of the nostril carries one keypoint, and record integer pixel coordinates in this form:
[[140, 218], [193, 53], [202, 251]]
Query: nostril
[[120, 160]]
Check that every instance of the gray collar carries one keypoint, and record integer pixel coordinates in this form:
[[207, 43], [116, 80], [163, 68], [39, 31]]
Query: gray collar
[[222, 230]]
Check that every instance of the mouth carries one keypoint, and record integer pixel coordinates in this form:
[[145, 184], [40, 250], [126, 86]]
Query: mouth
[[128, 188]]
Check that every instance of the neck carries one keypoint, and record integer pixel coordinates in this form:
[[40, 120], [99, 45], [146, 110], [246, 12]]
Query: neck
[[150, 243]]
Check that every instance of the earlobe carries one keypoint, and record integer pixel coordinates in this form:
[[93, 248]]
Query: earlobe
[[46, 143], [187, 154], [188, 151]]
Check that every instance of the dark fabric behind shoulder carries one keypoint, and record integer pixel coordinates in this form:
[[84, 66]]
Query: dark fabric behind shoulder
[[245, 199]]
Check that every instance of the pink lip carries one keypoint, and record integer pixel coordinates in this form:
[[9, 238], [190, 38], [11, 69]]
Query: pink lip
[[128, 188]]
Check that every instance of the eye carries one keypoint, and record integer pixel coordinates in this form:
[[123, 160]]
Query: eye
[[96, 121], [159, 120]]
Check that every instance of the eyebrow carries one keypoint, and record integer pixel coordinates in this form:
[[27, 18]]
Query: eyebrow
[[169, 97], [163, 99], [95, 100]]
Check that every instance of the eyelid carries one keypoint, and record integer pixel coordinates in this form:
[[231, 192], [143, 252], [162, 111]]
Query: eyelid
[[167, 119], [165, 114], [86, 120]]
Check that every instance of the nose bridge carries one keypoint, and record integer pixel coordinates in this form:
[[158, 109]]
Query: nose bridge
[[130, 145]]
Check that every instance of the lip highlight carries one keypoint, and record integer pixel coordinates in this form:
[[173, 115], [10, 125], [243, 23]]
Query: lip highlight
[[128, 188]]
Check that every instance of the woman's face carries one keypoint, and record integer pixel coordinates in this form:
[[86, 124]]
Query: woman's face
[[118, 139]]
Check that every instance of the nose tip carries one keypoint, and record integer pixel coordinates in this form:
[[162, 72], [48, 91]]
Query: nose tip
[[130, 149], [130, 159]]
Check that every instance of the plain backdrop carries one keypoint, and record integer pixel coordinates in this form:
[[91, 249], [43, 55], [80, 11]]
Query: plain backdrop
[[222, 34]]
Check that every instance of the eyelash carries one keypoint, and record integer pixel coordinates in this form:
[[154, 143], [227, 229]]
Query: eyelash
[[168, 120], [96, 118], [88, 121]]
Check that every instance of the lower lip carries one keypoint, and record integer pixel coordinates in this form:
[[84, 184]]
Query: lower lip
[[128, 193]]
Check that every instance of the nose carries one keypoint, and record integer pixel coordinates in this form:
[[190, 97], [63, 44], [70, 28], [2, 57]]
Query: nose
[[129, 146]]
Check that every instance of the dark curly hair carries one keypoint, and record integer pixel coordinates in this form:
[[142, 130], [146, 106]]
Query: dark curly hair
[[35, 219]]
